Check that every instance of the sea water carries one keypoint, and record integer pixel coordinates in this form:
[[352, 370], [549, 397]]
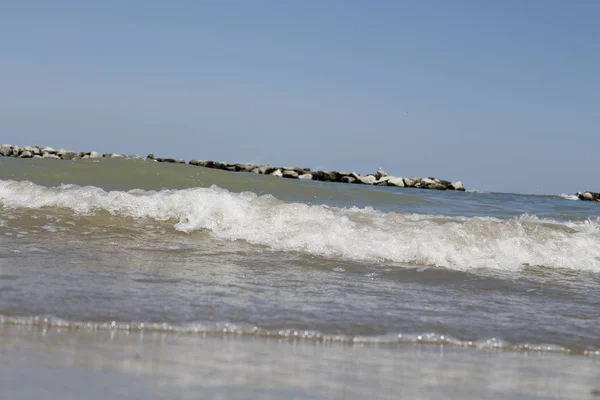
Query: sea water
[[159, 279]]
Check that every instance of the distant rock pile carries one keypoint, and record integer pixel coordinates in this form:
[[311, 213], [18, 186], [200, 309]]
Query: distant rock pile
[[380, 178], [588, 196], [7, 150]]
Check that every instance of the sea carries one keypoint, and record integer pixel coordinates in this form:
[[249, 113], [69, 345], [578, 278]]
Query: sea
[[129, 278]]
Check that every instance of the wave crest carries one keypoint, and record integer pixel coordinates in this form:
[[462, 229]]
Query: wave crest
[[352, 233]]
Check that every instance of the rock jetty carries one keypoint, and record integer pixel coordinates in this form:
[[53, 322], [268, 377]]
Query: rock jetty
[[380, 178], [588, 196]]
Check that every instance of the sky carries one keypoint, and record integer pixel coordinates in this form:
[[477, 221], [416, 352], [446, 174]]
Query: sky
[[503, 95]]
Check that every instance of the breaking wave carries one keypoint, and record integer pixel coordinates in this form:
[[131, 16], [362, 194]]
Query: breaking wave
[[349, 233]]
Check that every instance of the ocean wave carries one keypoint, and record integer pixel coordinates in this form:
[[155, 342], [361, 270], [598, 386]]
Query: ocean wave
[[568, 196], [459, 243], [46, 323]]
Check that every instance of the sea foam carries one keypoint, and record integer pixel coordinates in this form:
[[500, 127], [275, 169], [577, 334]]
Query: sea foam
[[349, 233]]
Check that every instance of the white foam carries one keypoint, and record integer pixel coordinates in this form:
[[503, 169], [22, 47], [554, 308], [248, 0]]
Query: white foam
[[351, 233], [568, 196]]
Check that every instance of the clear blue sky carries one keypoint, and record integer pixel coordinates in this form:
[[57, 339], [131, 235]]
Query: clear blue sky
[[504, 95]]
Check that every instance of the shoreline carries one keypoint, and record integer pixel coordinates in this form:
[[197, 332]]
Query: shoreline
[[380, 178], [112, 364]]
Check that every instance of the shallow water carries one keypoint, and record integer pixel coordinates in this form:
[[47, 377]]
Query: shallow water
[[110, 364], [134, 247]]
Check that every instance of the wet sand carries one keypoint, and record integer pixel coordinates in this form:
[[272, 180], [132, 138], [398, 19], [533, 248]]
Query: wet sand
[[74, 364]]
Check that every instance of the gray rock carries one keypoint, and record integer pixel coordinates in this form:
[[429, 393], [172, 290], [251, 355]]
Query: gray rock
[[48, 150], [85, 157], [244, 167], [26, 154], [329, 176], [117, 155], [382, 181], [395, 181], [348, 179], [197, 163], [67, 155], [265, 169], [33, 150], [307, 177], [6, 150], [94, 154], [16, 151], [380, 174], [367, 180], [50, 155], [588, 196], [458, 185], [411, 182], [436, 186], [37, 156], [277, 172], [288, 173]]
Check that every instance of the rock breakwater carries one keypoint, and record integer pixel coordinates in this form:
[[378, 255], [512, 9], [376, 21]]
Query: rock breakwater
[[588, 196], [380, 178]]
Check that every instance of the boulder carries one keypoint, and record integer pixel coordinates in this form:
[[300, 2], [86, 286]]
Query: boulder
[[382, 181], [94, 154], [165, 160], [329, 176], [25, 154], [355, 175], [436, 186], [117, 155], [340, 175], [288, 173], [50, 155], [6, 150], [277, 172], [395, 181], [16, 151], [348, 179], [33, 150], [48, 150], [589, 196], [66, 154], [307, 177], [218, 165], [197, 163], [37, 156], [367, 180], [265, 169], [411, 182], [380, 174], [458, 185], [244, 167], [425, 183]]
